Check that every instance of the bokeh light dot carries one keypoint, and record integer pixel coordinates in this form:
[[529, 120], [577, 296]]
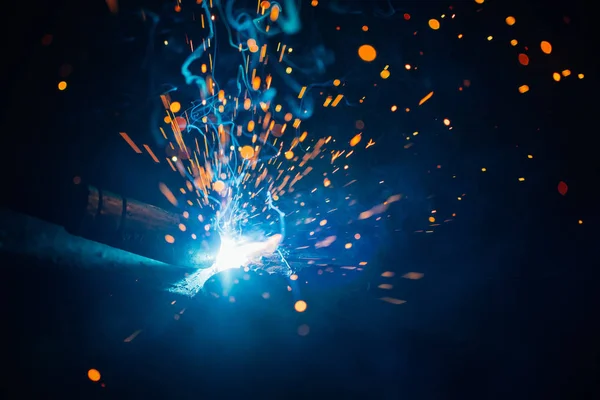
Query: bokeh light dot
[[546, 47], [247, 152], [300, 306], [523, 59], [219, 186], [175, 107], [169, 239], [94, 375], [181, 123], [563, 188], [434, 24], [367, 53]]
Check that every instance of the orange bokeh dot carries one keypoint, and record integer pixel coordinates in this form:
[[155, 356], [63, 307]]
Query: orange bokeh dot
[[300, 306], [247, 152], [169, 239], [175, 106], [367, 53], [434, 24], [219, 186], [94, 375], [355, 140], [546, 47], [523, 59]]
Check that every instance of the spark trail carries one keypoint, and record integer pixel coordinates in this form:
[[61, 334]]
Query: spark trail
[[238, 151]]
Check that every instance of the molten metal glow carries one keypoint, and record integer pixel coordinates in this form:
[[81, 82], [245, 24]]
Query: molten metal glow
[[230, 255], [241, 252], [235, 252]]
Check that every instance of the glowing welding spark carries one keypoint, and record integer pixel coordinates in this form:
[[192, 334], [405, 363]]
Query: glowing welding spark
[[281, 214], [233, 253], [239, 146], [230, 255]]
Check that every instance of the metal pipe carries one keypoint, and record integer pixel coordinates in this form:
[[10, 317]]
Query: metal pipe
[[133, 226]]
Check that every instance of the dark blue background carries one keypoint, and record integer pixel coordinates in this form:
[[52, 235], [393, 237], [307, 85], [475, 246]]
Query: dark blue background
[[506, 307]]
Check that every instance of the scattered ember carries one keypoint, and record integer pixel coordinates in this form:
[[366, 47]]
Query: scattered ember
[[94, 375], [243, 156]]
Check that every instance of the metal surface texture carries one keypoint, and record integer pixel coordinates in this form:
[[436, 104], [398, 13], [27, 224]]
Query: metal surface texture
[[126, 224]]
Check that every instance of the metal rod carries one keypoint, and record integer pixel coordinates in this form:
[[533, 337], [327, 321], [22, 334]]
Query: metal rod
[[133, 226]]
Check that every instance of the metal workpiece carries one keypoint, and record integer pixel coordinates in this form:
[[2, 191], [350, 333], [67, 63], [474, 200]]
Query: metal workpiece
[[136, 227]]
